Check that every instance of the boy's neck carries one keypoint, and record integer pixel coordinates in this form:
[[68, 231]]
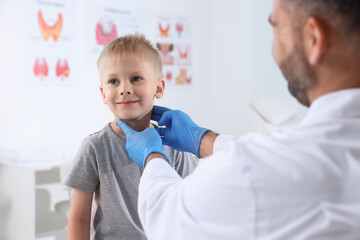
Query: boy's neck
[[137, 125]]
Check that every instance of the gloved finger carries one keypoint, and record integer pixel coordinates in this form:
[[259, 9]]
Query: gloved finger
[[125, 128], [165, 141], [161, 131], [166, 119], [158, 112]]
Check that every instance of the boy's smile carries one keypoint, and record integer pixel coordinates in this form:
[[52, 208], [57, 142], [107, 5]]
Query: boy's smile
[[127, 103], [129, 86]]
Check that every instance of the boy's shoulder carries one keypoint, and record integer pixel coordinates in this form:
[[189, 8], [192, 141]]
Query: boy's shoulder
[[175, 154], [170, 150], [183, 162], [97, 135], [101, 137]]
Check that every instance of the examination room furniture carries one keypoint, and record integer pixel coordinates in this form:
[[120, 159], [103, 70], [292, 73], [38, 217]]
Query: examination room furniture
[[29, 197]]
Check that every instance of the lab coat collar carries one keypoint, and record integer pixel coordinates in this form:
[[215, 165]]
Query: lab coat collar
[[335, 105]]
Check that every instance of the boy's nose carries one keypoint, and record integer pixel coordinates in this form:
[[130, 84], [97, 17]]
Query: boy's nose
[[126, 91]]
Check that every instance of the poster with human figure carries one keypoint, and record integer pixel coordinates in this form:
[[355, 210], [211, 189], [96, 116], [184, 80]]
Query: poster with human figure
[[173, 39], [50, 42]]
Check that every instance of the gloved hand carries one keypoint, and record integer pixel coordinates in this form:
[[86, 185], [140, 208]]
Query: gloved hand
[[181, 132], [140, 144]]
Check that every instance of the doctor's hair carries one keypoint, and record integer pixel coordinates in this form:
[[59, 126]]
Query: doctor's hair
[[131, 46], [344, 15]]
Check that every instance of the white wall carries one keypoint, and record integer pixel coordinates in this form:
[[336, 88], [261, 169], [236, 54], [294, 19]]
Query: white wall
[[230, 66], [34, 118], [266, 78]]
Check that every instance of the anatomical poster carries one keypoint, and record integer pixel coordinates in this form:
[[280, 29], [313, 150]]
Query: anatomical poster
[[50, 42], [105, 23], [173, 39]]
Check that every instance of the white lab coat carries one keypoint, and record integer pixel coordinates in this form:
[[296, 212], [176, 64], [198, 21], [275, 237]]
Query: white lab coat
[[302, 183]]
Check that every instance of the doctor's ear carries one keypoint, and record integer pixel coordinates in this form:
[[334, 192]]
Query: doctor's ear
[[315, 40], [160, 88]]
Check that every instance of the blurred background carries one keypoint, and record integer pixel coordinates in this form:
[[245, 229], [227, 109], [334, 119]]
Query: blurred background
[[220, 71]]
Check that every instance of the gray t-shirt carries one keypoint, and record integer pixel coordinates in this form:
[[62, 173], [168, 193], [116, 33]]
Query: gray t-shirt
[[103, 166]]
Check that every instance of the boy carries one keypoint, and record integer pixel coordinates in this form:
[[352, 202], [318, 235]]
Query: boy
[[130, 71]]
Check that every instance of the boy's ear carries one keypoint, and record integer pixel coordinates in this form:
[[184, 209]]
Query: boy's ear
[[160, 88], [103, 94]]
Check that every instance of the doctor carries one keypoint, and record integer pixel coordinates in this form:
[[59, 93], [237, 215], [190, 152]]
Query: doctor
[[302, 183]]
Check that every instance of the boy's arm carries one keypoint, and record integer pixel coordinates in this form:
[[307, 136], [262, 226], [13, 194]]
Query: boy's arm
[[80, 215], [185, 163]]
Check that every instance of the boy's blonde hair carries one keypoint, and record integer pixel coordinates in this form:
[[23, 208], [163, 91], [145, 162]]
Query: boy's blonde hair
[[130, 46]]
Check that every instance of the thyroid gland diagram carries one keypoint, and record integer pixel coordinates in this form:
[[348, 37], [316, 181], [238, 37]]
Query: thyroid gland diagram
[[168, 76], [164, 32], [41, 68], [182, 78], [48, 31], [165, 49], [179, 28], [105, 31], [62, 69], [183, 55]]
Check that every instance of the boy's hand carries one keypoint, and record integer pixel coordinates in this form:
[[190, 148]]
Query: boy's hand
[[140, 144], [181, 132]]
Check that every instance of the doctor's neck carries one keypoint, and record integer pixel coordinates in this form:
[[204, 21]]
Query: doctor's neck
[[333, 81], [339, 69], [333, 84]]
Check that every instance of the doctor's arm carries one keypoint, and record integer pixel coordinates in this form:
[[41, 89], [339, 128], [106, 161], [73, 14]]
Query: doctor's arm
[[207, 144], [205, 148], [181, 133]]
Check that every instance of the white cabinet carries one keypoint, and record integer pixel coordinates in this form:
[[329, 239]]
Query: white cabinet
[[28, 194]]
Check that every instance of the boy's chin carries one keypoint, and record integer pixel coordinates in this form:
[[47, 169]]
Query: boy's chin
[[135, 117], [132, 118]]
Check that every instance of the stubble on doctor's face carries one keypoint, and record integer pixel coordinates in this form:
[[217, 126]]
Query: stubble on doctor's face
[[299, 74], [288, 52]]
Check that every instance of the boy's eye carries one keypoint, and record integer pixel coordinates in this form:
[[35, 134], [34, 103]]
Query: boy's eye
[[135, 79], [113, 81]]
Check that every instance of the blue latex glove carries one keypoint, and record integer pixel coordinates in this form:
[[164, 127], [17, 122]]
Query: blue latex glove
[[140, 144], [181, 132]]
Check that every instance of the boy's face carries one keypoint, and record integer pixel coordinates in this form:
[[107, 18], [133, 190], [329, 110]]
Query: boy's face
[[129, 86]]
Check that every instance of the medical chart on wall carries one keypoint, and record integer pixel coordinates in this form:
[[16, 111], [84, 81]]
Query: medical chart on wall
[[170, 34], [50, 42], [105, 23], [173, 39]]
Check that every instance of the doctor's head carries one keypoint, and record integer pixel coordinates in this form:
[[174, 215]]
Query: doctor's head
[[317, 45], [130, 72]]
